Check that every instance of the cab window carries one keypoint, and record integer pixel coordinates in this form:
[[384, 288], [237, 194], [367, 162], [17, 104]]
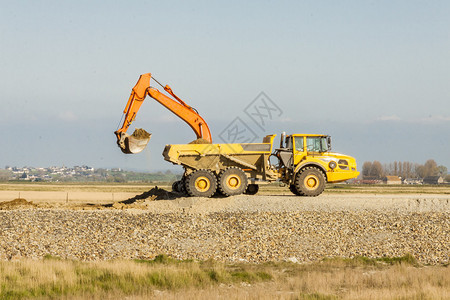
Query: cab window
[[316, 144], [298, 143]]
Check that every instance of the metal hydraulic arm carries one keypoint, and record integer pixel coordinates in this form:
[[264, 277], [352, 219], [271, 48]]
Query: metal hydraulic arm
[[139, 139]]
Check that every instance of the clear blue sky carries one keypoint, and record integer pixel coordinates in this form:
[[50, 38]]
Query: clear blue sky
[[373, 74]]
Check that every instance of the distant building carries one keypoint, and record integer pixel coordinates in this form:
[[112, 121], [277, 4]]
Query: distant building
[[433, 180], [392, 180], [412, 181], [369, 181]]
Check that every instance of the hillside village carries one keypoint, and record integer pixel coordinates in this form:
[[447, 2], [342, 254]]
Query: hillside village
[[80, 174], [49, 173]]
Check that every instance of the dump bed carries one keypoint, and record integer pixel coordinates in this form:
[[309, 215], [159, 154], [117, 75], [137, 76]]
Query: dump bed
[[251, 157]]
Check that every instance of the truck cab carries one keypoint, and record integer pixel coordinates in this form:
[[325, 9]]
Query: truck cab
[[309, 163]]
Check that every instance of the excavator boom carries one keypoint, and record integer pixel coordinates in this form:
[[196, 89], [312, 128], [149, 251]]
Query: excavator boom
[[136, 142]]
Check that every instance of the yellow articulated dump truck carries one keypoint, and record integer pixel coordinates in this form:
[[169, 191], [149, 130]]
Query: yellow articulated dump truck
[[304, 162]]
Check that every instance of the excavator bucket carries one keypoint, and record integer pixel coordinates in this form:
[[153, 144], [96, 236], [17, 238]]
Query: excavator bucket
[[135, 143]]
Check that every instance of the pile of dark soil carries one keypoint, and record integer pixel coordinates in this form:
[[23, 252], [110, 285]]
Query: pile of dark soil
[[138, 200], [157, 194]]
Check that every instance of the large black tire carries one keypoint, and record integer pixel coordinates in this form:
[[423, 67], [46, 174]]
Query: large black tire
[[201, 183], [178, 186], [252, 189], [310, 182], [294, 191], [232, 181], [175, 187]]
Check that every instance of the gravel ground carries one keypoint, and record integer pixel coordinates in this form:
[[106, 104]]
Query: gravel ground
[[241, 228]]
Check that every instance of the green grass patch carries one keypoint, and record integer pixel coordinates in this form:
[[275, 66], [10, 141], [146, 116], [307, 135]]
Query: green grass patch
[[161, 259], [406, 259], [357, 261], [51, 257], [316, 296]]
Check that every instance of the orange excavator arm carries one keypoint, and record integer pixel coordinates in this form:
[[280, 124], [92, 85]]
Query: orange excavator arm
[[139, 139]]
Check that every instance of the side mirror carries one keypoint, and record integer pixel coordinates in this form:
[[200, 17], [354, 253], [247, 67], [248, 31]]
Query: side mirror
[[329, 142]]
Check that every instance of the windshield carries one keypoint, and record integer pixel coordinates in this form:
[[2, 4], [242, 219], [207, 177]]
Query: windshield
[[316, 144]]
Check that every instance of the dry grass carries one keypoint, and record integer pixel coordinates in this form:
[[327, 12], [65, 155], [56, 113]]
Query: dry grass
[[358, 278]]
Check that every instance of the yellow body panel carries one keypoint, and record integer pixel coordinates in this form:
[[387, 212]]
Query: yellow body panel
[[173, 152], [338, 174]]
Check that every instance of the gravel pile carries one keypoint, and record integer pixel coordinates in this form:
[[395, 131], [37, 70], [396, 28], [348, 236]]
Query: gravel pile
[[255, 229]]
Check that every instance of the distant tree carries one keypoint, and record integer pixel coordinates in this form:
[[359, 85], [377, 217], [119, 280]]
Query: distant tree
[[367, 166], [420, 171], [398, 168], [404, 169], [442, 170], [431, 168], [447, 178], [415, 171], [387, 169], [119, 178], [376, 170], [407, 169]]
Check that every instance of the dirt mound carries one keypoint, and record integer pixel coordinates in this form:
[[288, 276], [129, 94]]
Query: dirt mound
[[155, 194], [200, 141], [140, 133], [139, 201], [17, 203]]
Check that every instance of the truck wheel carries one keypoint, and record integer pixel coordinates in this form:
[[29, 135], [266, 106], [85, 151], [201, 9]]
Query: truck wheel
[[201, 183], [310, 182], [294, 191], [175, 187], [178, 186], [252, 189], [232, 181]]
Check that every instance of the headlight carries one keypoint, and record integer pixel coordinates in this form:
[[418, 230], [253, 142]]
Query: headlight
[[332, 165]]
